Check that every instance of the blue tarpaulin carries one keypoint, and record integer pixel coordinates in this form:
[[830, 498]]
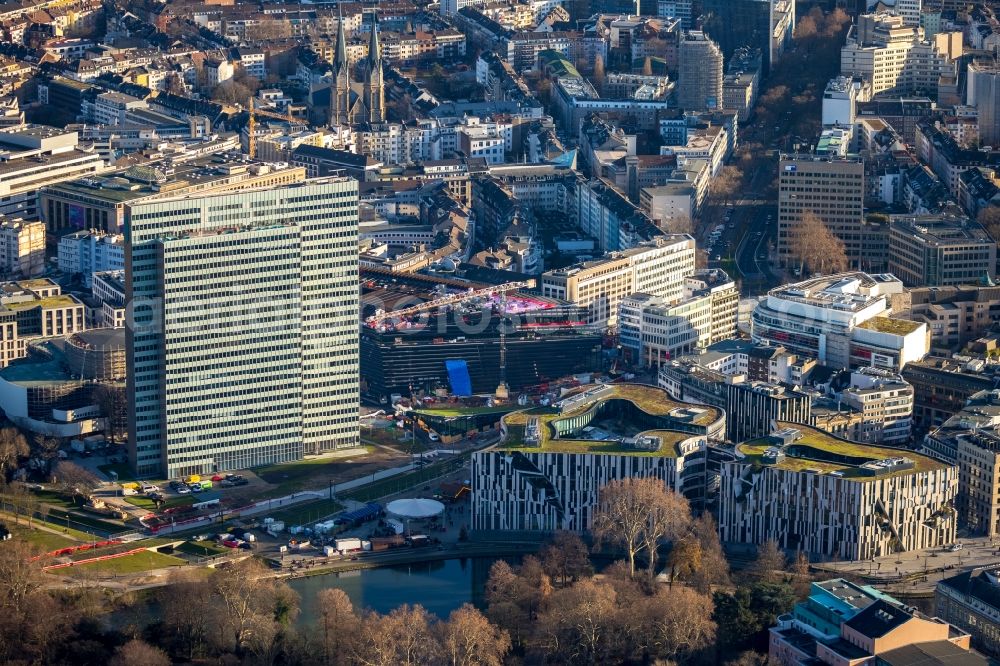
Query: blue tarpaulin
[[458, 375]]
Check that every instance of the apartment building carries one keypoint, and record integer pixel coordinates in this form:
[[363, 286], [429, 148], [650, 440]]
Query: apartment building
[[970, 601], [238, 372], [885, 402], [955, 315], [941, 387], [828, 186], [843, 321], [22, 248], [882, 502], [108, 289], [87, 252], [652, 330], [844, 623], [657, 268], [940, 250]]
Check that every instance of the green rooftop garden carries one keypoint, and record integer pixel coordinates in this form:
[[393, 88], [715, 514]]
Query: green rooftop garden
[[448, 411], [887, 325], [62, 301], [820, 443]]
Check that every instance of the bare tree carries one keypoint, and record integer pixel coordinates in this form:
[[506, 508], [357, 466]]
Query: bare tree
[[816, 247], [989, 218], [582, 625], [566, 558], [13, 446], [139, 653], [74, 480], [684, 559], [515, 597], [338, 623], [724, 186], [680, 223], [770, 564], [401, 638], [113, 403], [714, 568], [676, 623], [802, 577], [637, 514], [647, 66], [468, 639], [252, 602], [599, 74], [190, 615]]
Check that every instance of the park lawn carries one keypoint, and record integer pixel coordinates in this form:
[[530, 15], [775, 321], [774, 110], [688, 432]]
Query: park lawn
[[53, 498], [145, 503], [45, 541], [135, 563], [307, 512], [293, 476]]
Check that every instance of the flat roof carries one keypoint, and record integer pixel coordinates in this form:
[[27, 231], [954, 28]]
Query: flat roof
[[889, 325]]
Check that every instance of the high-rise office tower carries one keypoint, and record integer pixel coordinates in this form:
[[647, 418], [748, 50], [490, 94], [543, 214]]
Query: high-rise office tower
[[759, 24], [983, 92], [243, 349], [699, 84]]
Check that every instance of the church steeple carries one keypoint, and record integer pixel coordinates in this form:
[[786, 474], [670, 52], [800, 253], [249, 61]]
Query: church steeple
[[374, 89], [340, 86]]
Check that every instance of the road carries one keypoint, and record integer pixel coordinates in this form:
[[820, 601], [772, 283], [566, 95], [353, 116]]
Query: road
[[753, 222]]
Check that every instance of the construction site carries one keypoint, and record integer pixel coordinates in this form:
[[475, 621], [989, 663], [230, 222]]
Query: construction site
[[426, 335]]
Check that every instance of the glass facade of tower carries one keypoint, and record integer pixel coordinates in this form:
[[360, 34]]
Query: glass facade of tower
[[244, 331]]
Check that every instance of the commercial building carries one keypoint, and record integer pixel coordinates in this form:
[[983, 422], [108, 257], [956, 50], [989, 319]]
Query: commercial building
[[896, 58], [54, 390], [955, 315], [828, 186], [841, 320], [233, 372], [108, 289], [22, 248], [100, 202], [765, 25], [699, 86], [885, 402], [971, 601], [652, 330], [983, 92], [657, 268], [36, 156], [845, 623], [549, 469], [810, 491], [940, 250], [87, 252], [941, 387]]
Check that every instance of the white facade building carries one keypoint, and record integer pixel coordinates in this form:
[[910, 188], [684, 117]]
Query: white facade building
[[88, 252]]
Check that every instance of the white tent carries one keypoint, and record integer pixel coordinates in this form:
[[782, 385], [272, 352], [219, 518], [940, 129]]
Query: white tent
[[410, 509]]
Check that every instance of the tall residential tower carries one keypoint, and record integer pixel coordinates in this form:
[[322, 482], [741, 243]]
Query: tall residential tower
[[243, 349]]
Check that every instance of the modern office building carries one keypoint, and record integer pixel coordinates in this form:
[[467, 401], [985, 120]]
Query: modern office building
[[652, 330], [244, 346], [812, 492], [940, 250], [549, 469], [983, 92], [844, 623], [828, 186], [22, 248], [100, 202], [699, 86], [766, 25], [896, 58], [955, 315], [657, 268], [841, 320], [971, 601]]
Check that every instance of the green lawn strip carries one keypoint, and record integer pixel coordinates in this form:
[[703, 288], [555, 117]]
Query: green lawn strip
[[100, 552], [145, 503], [402, 482], [202, 548], [53, 498], [306, 512], [84, 522], [135, 563], [45, 541]]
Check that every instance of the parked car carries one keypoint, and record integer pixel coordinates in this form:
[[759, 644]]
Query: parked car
[[183, 490], [196, 487]]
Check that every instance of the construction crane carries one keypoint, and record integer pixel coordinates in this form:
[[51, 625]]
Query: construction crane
[[252, 125], [502, 289]]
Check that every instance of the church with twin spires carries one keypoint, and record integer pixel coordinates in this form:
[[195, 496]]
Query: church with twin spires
[[363, 102]]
